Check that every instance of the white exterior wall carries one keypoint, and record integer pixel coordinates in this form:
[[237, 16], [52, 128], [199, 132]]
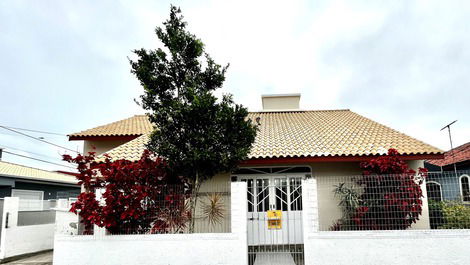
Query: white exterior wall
[[102, 146], [280, 102], [19, 240], [175, 249], [378, 247]]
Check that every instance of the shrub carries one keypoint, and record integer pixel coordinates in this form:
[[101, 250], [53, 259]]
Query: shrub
[[455, 215], [390, 197], [436, 217], [139, 196]]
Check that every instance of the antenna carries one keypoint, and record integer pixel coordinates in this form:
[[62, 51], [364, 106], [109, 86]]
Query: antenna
[[451, 146]]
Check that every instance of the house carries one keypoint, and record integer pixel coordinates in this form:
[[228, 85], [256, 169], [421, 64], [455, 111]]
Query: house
[[291, 144], [35, 184], [281, 200], [27, 198], [450, 175]]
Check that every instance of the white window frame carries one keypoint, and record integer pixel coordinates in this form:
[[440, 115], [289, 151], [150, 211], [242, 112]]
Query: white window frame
[[460, 186], [438, 184]]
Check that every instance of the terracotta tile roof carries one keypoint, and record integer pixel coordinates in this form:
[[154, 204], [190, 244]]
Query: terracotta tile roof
[[131, 150], [13, 170], [328, 133], [461, 153], [133, 126], [314, 134]]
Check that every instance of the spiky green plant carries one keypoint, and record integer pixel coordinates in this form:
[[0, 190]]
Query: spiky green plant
[[213, 208], [349, 198]]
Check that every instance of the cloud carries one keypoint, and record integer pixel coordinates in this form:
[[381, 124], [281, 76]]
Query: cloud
[[403, 63]]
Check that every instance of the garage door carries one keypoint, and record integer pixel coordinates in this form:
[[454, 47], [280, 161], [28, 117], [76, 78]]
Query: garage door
[[30, 200]]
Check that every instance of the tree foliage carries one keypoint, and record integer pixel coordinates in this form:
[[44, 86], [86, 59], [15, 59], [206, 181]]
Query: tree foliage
[[389, 198], [137, 196], [196, 132]]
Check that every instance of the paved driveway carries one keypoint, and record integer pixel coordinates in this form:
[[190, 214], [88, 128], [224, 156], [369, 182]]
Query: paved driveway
[[44, 258]]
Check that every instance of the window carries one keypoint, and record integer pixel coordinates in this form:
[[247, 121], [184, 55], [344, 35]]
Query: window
[[465, 188], [434, 191]]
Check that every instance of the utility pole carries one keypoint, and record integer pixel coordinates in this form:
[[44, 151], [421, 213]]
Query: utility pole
[[451, 146]]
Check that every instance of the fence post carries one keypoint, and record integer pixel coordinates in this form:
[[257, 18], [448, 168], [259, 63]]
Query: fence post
[[310, 218], [99, 231], [66, 222], [310, 202], [239, 216], [62, 204], [9, 218], [10, 208]]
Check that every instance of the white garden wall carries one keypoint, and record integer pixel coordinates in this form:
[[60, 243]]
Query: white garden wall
[[175, 249], [18, 240], [195, 249], [417, 247], [389, 247]]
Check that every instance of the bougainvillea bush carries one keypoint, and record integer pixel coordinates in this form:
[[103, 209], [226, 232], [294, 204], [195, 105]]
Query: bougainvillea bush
[[136, 196], [388, 196]]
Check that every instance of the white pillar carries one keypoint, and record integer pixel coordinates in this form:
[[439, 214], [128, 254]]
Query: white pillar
[[10, 208], [9, 219], [99, 231], [239, 216], [310, 216]]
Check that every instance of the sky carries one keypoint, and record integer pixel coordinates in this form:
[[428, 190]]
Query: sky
[[64, 64]]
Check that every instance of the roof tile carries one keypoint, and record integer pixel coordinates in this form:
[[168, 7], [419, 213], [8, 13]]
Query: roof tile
[[309, 134], [456, 155], [10, 169], [133, 126]]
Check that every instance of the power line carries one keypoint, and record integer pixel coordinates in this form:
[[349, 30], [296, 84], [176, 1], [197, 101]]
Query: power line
[[29, 152], [44, 141], [37, 159], [37, 131]]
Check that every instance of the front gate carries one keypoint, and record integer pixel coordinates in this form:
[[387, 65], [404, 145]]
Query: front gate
[[275, 231]]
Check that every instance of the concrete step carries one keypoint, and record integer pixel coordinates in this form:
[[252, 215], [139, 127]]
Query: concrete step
[[274, 259]]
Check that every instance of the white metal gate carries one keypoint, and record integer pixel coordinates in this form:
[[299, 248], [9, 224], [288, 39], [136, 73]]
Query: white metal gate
[[282, 193]]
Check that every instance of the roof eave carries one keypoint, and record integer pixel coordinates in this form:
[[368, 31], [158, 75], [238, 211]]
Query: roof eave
[[41, 180], [103, 137], [312, 159]]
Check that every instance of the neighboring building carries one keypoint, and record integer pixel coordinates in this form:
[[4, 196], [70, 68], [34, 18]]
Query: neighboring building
[[450, 176], [35, 184], [291, 144]]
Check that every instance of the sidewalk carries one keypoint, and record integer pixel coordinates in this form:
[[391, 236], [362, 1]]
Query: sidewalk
[[44, 258]]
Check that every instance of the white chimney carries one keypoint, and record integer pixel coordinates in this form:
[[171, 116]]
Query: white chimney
[[281, 102]]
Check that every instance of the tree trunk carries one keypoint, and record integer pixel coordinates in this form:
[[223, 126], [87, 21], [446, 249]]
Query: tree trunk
[[193, 202]]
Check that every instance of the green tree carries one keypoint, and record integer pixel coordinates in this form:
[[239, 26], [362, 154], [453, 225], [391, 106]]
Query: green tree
[[196, 132]]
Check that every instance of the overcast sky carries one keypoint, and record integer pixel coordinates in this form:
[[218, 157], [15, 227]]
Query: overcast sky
[[406, 64]]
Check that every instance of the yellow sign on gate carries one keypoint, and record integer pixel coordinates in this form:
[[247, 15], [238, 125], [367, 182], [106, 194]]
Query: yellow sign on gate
[[274, 219]]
